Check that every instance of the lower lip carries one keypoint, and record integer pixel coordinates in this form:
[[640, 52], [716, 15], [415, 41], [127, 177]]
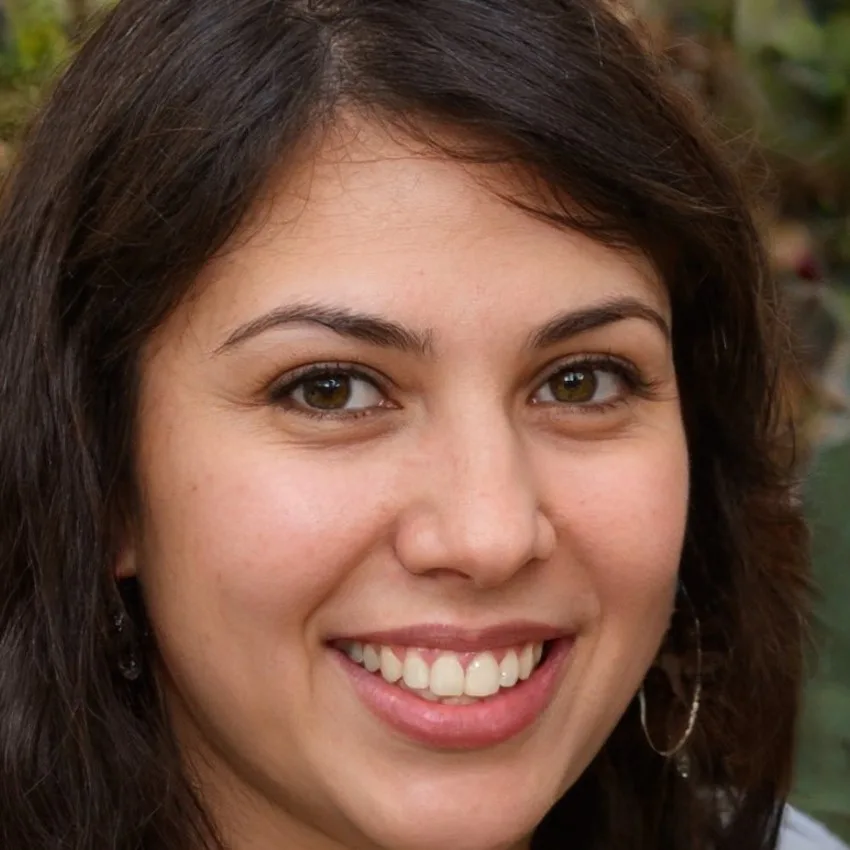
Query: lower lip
[[486, 723]]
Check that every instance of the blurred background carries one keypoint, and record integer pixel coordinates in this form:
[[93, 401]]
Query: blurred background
[[775, 76]]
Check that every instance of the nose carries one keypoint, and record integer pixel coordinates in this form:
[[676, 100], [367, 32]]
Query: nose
[[475, 511]]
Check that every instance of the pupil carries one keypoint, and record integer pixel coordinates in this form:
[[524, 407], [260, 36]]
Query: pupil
[[574, 386], [328, 393]]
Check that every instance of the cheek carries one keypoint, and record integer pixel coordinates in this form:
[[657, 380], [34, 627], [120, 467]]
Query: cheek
[[254, 538], [622, 512]]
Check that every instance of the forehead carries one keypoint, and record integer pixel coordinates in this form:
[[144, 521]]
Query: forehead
[[382, 224]]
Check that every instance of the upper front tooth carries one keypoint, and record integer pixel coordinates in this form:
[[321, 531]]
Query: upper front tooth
[[509, 670], [415, 671], [526, 661], [482, 676], [391, 668], [371, 659], [447, 677]]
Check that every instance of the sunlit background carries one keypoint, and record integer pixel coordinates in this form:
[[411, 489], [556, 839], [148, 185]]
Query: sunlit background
[[775, 76]]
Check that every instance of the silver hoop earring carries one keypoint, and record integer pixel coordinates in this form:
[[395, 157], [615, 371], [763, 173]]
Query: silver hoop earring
[[676, 752]]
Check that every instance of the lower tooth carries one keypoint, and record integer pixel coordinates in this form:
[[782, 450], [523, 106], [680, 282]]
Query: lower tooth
[[463, 700], [430, 696], [426, 694]]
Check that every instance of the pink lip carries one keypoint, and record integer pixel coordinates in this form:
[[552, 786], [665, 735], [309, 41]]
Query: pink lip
[[461, 640], [482, 724]]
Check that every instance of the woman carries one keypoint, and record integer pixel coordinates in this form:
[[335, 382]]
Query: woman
[[390, 453]]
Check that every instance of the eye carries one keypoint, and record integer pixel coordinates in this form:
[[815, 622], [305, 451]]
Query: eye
[[330, 392], [583, 384]]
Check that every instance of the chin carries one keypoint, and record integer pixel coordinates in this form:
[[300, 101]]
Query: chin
[[472, 830], [478, 819]]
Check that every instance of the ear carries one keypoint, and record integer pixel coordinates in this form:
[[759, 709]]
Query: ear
[[126, 562]]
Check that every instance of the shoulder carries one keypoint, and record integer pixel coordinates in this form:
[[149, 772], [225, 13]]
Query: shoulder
[[800, 832]]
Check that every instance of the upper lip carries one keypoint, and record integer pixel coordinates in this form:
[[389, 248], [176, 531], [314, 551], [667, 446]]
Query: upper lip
[[447, 637]]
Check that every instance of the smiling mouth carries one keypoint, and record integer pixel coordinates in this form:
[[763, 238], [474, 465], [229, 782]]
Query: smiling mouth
[[450, 678]]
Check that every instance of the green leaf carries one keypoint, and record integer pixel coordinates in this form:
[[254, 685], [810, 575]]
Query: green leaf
[[783, 25]]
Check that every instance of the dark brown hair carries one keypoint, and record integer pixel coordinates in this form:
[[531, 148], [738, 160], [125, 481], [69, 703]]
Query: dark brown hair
[[150, 153]]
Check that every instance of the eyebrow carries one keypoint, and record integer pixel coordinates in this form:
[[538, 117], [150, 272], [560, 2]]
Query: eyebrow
[[349, 323], [574, 322], [386, 333]]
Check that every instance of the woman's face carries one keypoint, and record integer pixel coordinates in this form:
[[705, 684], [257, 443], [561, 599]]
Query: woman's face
[[403, 423]]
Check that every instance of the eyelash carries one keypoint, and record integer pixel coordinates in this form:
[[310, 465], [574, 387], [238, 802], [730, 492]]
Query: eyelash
[[628, 373], [280, 392], [634, 381]]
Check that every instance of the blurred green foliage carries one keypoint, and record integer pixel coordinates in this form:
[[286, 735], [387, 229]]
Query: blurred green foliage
[[799, 55], [36, 45], [823, 781], [779, 69], [38, 42]]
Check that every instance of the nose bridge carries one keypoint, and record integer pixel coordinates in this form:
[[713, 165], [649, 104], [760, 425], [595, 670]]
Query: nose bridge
[[482, 518]]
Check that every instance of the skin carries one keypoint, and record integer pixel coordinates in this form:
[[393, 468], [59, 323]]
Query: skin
[[467, 495]]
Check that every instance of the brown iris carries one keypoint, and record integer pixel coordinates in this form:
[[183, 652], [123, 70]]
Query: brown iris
[[574, 386], [327, 392]]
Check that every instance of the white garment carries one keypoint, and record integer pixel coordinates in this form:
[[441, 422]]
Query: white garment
[[800, 832]]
